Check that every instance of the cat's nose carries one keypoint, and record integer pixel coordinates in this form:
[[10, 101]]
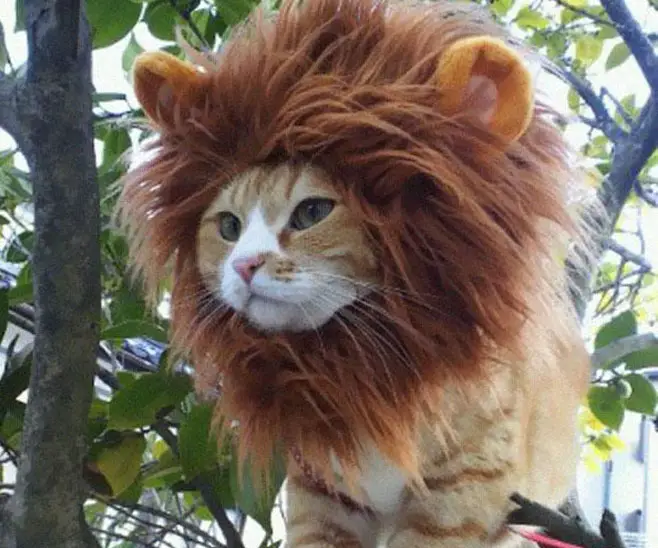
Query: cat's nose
[[246, 267]]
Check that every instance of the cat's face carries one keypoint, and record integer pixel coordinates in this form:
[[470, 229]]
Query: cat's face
[[281, 248]]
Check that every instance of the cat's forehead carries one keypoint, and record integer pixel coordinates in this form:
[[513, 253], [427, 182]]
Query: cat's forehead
[[273, 191]]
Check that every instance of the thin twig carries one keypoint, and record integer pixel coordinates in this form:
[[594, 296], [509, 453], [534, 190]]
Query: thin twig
[[622, 347], [605, 122], [174, 521], [585, 13], [233, 539], [628, 255], [618, 281], [127, 538], [644, 195], [185, 15], [620, 108]]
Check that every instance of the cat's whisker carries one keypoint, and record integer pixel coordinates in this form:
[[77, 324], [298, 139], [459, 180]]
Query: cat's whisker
[[311, 323], [333, 303], [412, 297], [368, 330], [372, 310]]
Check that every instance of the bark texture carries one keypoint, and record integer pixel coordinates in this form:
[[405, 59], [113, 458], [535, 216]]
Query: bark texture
[[55, 133]]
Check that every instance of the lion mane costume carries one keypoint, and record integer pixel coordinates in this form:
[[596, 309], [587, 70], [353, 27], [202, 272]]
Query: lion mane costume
[[426, 118]]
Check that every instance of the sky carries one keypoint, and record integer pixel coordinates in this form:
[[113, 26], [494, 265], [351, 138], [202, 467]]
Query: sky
[[108, 76]]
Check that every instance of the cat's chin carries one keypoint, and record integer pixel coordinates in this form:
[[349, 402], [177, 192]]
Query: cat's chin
[[271, 315]]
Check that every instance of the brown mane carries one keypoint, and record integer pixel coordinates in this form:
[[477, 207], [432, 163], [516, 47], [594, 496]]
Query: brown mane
[[348, 85]]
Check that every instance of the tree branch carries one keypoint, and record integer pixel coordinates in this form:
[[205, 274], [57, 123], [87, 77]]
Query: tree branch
[[622, 347], [628, 255], [646, 195], [629, 156], [125, 508], [54, 108], [637, 42], [628, 159], [584, 13], [605, 122], [564, 528]]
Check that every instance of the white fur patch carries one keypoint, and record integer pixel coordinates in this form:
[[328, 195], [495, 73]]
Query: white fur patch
[[307, 301], [382, 483]]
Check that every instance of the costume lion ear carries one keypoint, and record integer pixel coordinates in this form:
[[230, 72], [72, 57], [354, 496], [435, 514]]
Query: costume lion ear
[[485, 76], [166, 87]]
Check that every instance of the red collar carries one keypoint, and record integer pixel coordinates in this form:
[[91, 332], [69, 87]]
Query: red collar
[[317, 483]]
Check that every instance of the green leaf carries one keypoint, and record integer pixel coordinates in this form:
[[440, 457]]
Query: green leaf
[[111, 20], [607, 32], [233, 12], [597, 147], [127, 304], [569, 16], [120, 464], [4, 311], [197, 442], [133, 49], [641, 359], [527, 18], [164, 472], [573, 99], [576, 3], [622, 325], [556, 45], [19, 8], [653, 160], [116, 142], [617, 56], [12, 424], [501, 7], [643, 398], [21, 293], [20, 247], [25, 275], [161, 20], [140, 403], [4, 53], [628, 102], [256, 498], [132, 329], [220, 480], [606, 405], [588, 49], [107, 97], [16, 376]]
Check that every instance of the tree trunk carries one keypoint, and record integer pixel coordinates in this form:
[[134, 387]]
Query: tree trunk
[[54, 110]]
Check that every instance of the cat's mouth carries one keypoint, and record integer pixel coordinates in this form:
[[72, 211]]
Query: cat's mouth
[[255, 296]]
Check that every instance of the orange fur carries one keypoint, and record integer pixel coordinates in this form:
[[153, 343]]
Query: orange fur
[[457, 225]]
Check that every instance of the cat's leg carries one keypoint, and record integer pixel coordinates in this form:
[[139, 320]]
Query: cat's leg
[[315, 520]]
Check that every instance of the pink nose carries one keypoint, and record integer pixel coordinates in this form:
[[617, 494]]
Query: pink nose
[[248, 266]]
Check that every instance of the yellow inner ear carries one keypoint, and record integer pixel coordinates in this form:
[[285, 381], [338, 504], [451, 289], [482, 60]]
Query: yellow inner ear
[[492, 59], [162, 82]]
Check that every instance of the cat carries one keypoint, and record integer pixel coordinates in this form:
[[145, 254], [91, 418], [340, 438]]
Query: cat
[[280, 247], [365, 209]]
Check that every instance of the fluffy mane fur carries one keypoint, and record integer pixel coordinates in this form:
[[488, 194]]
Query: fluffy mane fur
[[465, 232]]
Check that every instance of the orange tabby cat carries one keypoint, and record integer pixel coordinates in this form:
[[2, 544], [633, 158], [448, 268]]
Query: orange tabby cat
[[363, 207]]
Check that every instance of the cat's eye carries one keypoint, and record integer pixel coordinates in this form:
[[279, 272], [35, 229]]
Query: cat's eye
[[229, 226], [310, 212]]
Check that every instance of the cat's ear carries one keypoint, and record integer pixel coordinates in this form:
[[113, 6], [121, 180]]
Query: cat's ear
[[167, 88], [489, 79]]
